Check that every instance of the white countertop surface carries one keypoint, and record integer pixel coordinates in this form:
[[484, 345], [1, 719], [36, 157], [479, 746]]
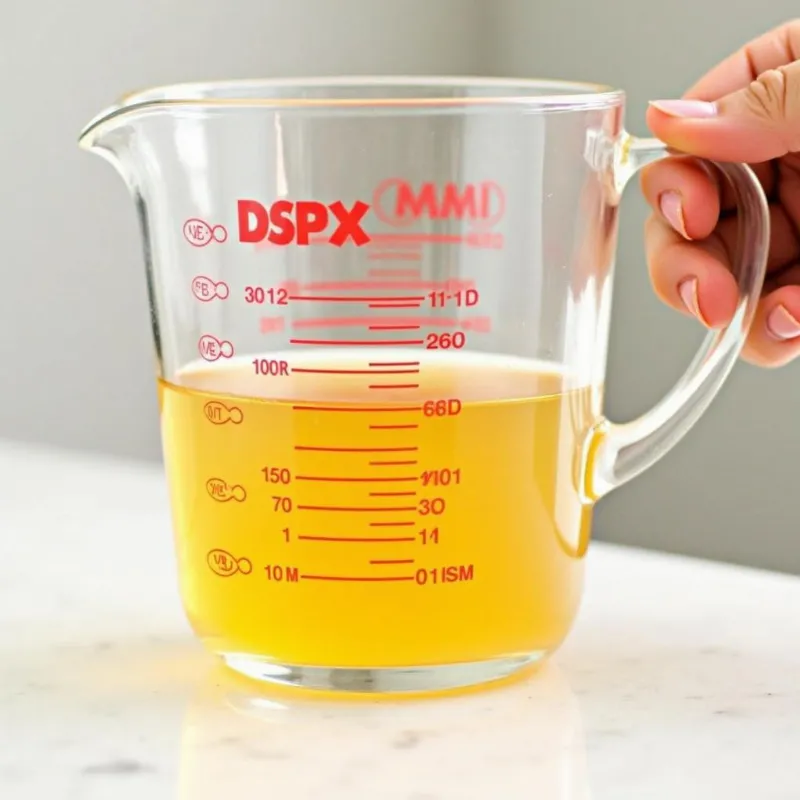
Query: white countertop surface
[[680, 680]]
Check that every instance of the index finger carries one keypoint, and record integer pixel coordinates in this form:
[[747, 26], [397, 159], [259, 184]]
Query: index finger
[[771, 50]]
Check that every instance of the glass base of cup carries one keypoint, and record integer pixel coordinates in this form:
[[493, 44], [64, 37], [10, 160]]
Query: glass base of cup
[[381, 680]]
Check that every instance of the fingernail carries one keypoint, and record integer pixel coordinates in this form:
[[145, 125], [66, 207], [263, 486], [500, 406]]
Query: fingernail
[[692, 109], [687, 289], [781, 325], [672, 208]]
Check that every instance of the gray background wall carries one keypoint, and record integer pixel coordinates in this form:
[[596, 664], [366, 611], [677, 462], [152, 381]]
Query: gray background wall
[[75, 347]]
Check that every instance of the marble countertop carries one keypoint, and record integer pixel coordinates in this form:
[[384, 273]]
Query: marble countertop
[[680, 680]]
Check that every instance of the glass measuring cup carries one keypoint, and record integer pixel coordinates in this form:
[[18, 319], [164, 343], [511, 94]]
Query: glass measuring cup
[[380, 309]]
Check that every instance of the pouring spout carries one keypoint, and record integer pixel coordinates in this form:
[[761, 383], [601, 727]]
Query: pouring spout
[[111, 129], [108, 135]]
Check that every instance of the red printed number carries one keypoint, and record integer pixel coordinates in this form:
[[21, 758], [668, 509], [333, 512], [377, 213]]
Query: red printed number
[[279, 574], [270, 366], [468, 297], [277, 475], [429, 536], [283, 504], [445, 341], [442, 408], [441, 477], [434, 505], [271, 297]]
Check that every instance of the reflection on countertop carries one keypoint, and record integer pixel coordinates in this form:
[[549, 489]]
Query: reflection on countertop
[[504, 742]]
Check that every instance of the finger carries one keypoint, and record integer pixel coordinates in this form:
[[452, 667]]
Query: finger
[[774, 338], [766, 174], [784, 246], [773, 49], [691, 177], [684, 194], [691, 277], [788, 276], [680, 191], [789, 186], [754, 124]]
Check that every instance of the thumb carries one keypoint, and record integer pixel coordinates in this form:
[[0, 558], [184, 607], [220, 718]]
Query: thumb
[[754, 124]]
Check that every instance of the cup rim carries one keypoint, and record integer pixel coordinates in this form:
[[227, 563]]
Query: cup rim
[[283, 94], [548, 90]]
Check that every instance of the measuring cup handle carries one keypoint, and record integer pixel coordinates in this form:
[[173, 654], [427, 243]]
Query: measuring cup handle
[[618, 452]]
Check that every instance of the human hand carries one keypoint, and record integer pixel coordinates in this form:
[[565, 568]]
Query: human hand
[[746, 109]]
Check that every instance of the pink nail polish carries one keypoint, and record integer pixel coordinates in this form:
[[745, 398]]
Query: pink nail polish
[[671, 207], [690, 109], [781, 325], [687, 289]]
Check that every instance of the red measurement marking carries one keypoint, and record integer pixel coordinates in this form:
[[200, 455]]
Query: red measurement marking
[[349, 322], [336, 299], [337, 479], [404, 323], [327, 322], [400, 323], [390, 524], [477, 324], [419, 238], [356, 410], [356, 449], [392, 427], [394, 363], [441, 322], [394, 386], [392, 561], [356, 371], [378, 509], [395, 256], [372, 539], [392, 463], [359, 343], [271, 324], [395, 327], [416, 245], [493, 241], [394, 305], [343, 578], [446, 285], [393, 272], [392, 494]]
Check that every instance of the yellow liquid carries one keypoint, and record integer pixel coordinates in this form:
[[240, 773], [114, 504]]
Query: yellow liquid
[[319, 522]]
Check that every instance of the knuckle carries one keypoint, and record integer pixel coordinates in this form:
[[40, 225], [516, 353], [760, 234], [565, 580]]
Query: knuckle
[[650, 181], [792, 28], [774, 97], [651, 229], [766, 96], [718, 248]]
